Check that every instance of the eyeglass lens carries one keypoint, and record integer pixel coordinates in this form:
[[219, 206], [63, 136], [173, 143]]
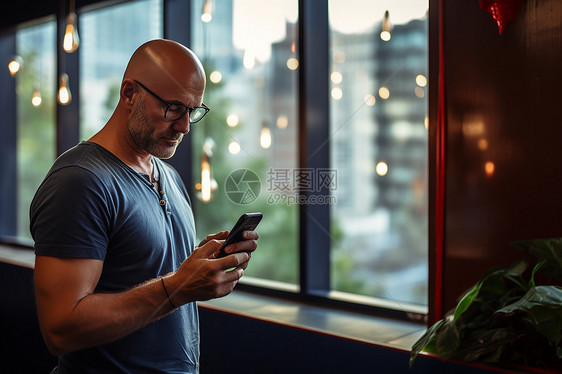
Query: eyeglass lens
[[175, 112]]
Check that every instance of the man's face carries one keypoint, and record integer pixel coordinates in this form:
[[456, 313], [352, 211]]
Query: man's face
[[152, 133]]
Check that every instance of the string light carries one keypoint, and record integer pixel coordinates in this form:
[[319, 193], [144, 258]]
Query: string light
[[71, 39], [265, 136], [336, 77], [207, 14], [232, 120], [370, 100], [421, 80], [336, 93], [282, 122], [234, 147], [489, 168], [64, 97], [208, 183], [385, 34], [15, 65], [215, 76], [382, 168], [205, 179], [384, 92], [292, 63], [36, 99], [482, 144]]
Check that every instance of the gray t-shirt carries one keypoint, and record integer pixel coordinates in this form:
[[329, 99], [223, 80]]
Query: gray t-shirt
[[92, 205]]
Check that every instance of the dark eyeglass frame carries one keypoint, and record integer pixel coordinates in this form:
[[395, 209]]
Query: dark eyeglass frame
[[187, 109]]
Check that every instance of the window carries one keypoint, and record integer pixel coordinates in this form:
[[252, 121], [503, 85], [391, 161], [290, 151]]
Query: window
[[377, 169], [35, 87], [249, 137], [109, 36], [378, 112], [366, 240]]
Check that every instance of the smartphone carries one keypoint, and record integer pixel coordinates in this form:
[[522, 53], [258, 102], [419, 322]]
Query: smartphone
[[246, 222]]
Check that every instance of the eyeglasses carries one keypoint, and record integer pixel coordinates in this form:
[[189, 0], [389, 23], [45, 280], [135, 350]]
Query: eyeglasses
[[176, 111]]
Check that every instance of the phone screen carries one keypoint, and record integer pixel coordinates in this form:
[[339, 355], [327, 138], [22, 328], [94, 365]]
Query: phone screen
[[246, 222]]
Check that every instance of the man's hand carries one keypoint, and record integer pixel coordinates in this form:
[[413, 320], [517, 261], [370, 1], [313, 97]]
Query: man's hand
[[204, 277]]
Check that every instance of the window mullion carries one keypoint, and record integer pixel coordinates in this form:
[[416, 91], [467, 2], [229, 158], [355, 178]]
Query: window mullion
[[8, 219], [314, 144], [177, 26]]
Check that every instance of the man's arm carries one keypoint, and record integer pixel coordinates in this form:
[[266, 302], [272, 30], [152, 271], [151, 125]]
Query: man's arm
[[73, 317]]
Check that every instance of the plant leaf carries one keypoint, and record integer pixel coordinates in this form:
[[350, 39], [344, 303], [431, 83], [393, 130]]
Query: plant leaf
[[447, 341], [541, 307], [424, 340], [488, 289], [535, 269], [465, 302], [486, 345], [545, 249]]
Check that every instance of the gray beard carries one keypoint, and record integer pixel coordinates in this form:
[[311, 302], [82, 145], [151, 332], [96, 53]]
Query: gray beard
[[143, 135]]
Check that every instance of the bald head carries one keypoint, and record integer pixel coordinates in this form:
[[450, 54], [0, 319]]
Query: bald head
[[165, 65]]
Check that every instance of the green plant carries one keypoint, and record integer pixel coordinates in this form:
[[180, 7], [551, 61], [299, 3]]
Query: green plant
[[506, 318]]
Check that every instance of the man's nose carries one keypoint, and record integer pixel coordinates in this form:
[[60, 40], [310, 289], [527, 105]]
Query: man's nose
[[182, 125]]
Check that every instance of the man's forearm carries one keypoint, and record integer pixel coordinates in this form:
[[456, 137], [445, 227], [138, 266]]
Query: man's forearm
[[100, 318]]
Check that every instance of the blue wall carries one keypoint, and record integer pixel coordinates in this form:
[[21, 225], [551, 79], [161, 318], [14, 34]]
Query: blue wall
[[237, 344]]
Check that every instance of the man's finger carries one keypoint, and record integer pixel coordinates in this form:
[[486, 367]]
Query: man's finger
[[209, 248]]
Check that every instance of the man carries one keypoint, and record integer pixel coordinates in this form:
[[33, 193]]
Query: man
[[116, 272]]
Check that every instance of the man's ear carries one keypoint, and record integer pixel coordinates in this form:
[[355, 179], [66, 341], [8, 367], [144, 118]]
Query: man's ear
[[128, 93]]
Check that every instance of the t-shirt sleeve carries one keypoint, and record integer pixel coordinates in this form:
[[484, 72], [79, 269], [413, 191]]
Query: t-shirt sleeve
[[69, 215]]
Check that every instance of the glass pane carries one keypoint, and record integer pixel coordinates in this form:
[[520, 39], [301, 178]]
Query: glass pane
[[36, 120], [379, 147], [249, 53], [108, 38]]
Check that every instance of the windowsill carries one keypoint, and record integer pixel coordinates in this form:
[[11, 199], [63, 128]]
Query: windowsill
[[379, 331], [347, 325], [17, 255]]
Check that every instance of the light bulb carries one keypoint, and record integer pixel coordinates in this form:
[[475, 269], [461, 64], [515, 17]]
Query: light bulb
[[71, 39], [215, 76], [382, 168], [234, 147], [208, 183], [385, 34], [207, 15], [421, 80], [282, 122], [489, 168], [64, 97], [336, 93], [292, 63], [336, 77], [370, 100], [15, 65], [265, 137], [36, 99], [205, 181], [384, 93], [232, 120]]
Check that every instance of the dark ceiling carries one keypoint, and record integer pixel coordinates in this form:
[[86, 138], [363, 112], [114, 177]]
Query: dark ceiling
[[16, 12]]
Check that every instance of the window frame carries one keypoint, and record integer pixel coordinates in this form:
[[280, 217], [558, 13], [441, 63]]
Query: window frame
[[314, 146]]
